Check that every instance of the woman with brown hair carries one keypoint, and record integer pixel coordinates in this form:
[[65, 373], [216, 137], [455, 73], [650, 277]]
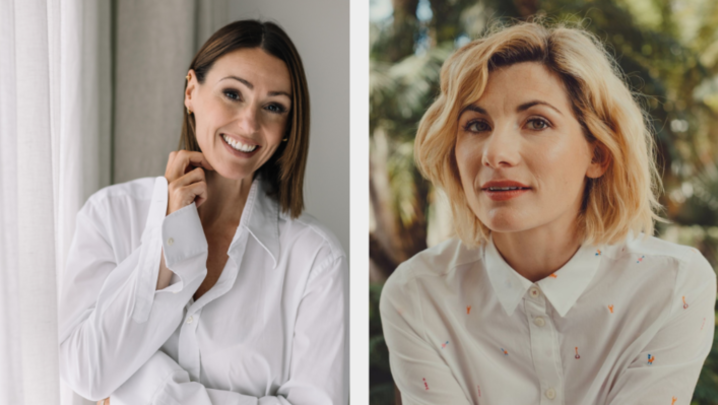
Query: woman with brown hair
[[209, 285]]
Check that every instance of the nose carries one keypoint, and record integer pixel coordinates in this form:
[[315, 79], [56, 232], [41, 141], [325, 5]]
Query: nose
[[501, 149], [248, 120]]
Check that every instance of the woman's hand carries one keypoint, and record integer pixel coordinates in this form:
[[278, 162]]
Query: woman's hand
[[185, 183], [185, 186], [105, 401]]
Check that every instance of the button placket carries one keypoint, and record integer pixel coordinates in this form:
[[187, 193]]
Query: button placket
[[188, 344], [542, 337]]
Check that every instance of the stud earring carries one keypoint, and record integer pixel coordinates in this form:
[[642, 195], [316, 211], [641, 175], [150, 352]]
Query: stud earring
[[285, 139], [187, 77], [188, 111]]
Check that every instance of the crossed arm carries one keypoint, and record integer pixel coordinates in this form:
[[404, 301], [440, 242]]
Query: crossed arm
[[115, 321]]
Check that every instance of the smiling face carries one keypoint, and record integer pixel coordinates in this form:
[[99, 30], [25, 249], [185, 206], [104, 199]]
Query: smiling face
[[241, 110], [521, 153]]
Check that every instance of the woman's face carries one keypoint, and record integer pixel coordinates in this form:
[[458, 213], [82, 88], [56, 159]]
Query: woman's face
[[521, 153], [241, 110]]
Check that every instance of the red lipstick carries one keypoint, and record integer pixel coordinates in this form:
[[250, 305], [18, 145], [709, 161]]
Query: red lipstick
[[502, 190]]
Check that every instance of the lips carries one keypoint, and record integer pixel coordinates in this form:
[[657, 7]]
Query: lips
[[502, 190]]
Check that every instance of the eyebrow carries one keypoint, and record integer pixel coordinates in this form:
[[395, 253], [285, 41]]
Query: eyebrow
[[251, 86], [526, 106], [520, 108]]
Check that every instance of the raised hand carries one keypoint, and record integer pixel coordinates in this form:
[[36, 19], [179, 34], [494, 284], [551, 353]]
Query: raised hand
[[185, 175]]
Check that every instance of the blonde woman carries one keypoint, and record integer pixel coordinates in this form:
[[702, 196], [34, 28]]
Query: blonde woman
[[554, 292]]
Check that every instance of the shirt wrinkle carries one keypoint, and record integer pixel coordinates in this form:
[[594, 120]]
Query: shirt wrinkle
[[641, 333], [116, 323]]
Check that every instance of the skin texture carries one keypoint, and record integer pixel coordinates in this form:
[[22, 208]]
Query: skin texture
[[507, 135], [246, 95]]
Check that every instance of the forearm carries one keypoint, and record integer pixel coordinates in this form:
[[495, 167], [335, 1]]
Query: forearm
[[161, 381], [165, 275]]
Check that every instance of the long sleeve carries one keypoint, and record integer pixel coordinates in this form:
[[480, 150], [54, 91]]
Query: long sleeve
[[318, 360], [666, 369], [422, 376], [112, 319]]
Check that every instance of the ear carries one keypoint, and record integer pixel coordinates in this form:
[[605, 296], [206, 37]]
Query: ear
[[190, 89], [600, 161]]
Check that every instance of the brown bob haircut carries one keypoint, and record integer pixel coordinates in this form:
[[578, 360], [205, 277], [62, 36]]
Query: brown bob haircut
[[284, 171]]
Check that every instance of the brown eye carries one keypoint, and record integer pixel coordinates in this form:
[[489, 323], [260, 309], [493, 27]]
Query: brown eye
[[276, 108], [476, 126], [232, 95], [537, 124]]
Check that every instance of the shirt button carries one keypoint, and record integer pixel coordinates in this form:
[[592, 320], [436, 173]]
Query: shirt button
[[539, 321], [550, 393], [534, 292], [170, 242], [190, 319]]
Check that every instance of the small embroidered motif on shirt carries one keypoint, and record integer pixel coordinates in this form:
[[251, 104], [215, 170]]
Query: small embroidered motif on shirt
[[685, 306], [674, 400], [478, 387], [443, 345], [598, 252], [641, 259], [577, 356], [426, 385], [650, 359], [610, 308], [553, 275], [468, 309], [504, 352]]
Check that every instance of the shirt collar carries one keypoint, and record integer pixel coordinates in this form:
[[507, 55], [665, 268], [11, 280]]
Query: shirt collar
[[261, 218], [562, 288]]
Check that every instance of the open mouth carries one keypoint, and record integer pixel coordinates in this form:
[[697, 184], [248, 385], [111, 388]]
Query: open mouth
[[239, 146]]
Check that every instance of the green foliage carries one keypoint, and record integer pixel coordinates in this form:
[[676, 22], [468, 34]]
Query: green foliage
[[381, 384], [668, 54]]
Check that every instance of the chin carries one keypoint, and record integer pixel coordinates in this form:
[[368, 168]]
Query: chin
[[233, 173], [502, 220]]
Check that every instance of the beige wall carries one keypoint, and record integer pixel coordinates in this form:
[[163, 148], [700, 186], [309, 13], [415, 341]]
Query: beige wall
[[155, 42]]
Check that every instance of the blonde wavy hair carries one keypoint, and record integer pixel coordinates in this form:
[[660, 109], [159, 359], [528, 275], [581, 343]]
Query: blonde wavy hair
[[621, 201]]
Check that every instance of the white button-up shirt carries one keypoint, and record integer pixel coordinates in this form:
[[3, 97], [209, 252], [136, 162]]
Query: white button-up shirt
[[629, 323], [272, 330]]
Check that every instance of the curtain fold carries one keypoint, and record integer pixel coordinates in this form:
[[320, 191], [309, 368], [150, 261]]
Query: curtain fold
[[65, 87], [29, 112]]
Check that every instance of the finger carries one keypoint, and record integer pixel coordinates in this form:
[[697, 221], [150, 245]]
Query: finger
[[185, 158], [195, 192], [193, 176], [170, 159]]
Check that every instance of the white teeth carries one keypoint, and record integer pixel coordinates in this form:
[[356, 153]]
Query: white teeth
[[239, 145], [503, 188]]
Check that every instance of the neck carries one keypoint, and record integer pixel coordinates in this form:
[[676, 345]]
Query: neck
[[539, 252], [225, 200]]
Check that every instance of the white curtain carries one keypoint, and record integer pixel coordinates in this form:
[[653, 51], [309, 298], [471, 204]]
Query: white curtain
[[64, 128], [55, 104], [29, 133]]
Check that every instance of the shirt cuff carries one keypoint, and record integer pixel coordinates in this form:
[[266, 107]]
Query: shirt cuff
[[149, 261], [180, 236]]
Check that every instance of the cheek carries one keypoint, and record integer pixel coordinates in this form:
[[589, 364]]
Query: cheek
[[209, 120], [560, 166], [468, 161]]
